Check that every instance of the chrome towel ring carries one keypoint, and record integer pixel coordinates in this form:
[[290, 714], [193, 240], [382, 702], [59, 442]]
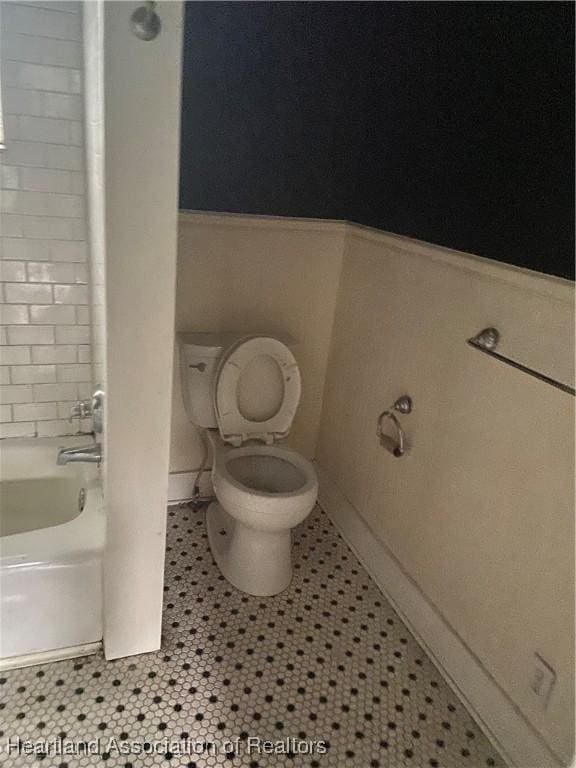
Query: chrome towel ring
[[402, 405]]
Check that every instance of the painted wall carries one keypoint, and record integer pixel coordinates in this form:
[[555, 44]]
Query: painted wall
[[141, 179], [46, 358], [480, 512], [449, 122], [252, 275]]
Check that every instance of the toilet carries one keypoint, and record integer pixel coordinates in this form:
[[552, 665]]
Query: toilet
[[244, 390]]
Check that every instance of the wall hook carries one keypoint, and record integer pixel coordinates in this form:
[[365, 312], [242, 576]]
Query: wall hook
[[403, 404], [145, 22]]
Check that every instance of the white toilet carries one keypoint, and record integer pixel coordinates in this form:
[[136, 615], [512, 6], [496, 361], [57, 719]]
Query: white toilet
[[245, 392]]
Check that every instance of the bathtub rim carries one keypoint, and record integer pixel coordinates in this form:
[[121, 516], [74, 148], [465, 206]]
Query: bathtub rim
[[47, 657]]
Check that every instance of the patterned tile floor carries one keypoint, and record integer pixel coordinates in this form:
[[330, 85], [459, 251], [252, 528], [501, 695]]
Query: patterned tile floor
[[326, 673]]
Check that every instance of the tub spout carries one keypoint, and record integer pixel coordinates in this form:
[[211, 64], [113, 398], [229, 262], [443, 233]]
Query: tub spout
[[87, 453]]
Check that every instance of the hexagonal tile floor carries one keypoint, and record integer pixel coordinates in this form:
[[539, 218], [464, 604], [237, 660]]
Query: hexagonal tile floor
[[323, 675]]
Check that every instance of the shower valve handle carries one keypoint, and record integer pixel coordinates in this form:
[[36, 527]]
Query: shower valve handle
[[82, 410]]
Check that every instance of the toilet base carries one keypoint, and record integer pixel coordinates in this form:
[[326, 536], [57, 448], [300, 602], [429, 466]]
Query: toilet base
[[256, 562]]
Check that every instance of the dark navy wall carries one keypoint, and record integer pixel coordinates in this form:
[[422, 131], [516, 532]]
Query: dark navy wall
[[448, 122]]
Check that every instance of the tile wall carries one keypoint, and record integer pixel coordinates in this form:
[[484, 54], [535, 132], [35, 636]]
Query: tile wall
[[45, 357]]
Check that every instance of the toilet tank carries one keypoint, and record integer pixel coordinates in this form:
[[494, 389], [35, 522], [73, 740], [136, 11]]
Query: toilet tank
[[200, 354]]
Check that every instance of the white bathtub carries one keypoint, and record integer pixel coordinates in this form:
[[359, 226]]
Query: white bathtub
[[50, 551]]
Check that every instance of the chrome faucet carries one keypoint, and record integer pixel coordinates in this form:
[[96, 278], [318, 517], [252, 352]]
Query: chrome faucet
[[82, 410], [87, 453], [93, 407]]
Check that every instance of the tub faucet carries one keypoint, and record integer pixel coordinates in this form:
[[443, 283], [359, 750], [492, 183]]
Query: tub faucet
[[88, 453]]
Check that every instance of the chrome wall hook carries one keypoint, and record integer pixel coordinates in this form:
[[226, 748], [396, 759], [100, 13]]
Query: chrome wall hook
[[145, 22], [402, 405]]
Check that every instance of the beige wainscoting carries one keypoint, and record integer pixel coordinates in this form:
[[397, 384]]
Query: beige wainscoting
[[480, 512], [258, 275]]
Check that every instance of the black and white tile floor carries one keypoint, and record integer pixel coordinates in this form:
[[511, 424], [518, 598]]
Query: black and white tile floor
[[327, 667]]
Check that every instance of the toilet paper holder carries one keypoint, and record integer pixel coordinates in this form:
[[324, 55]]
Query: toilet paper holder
[[396, 447]]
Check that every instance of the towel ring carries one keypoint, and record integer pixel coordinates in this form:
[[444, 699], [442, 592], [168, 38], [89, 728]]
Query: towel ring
[[402, 405]]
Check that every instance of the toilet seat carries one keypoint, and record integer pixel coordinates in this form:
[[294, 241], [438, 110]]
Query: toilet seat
[[257, 391]]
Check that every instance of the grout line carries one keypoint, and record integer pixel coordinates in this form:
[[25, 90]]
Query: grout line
[[47, 6], [40, 90], [21, 167], [41, 192], [10, 31], [42, 117], [46, 143], [52, 168], [44, 64], [42, 215]]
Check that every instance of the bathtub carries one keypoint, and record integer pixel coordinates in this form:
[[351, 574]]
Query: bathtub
[[52, 528]]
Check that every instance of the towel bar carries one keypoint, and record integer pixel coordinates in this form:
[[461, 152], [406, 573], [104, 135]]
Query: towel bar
[[487, 341]]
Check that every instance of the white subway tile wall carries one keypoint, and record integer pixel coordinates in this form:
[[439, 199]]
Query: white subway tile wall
[[45, 346]]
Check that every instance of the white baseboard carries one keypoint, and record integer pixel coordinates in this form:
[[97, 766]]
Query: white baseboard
[[500, 719], [181, 484], [45, 657]]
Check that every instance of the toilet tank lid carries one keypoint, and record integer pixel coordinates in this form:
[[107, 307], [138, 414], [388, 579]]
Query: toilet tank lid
[[210, 344], [213, 344]]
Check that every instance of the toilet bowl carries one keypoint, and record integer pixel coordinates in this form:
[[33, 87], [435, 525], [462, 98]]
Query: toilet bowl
[[262, 492], [249, 388]]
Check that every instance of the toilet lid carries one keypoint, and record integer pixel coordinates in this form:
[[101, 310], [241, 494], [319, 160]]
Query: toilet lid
[[257, 391]]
